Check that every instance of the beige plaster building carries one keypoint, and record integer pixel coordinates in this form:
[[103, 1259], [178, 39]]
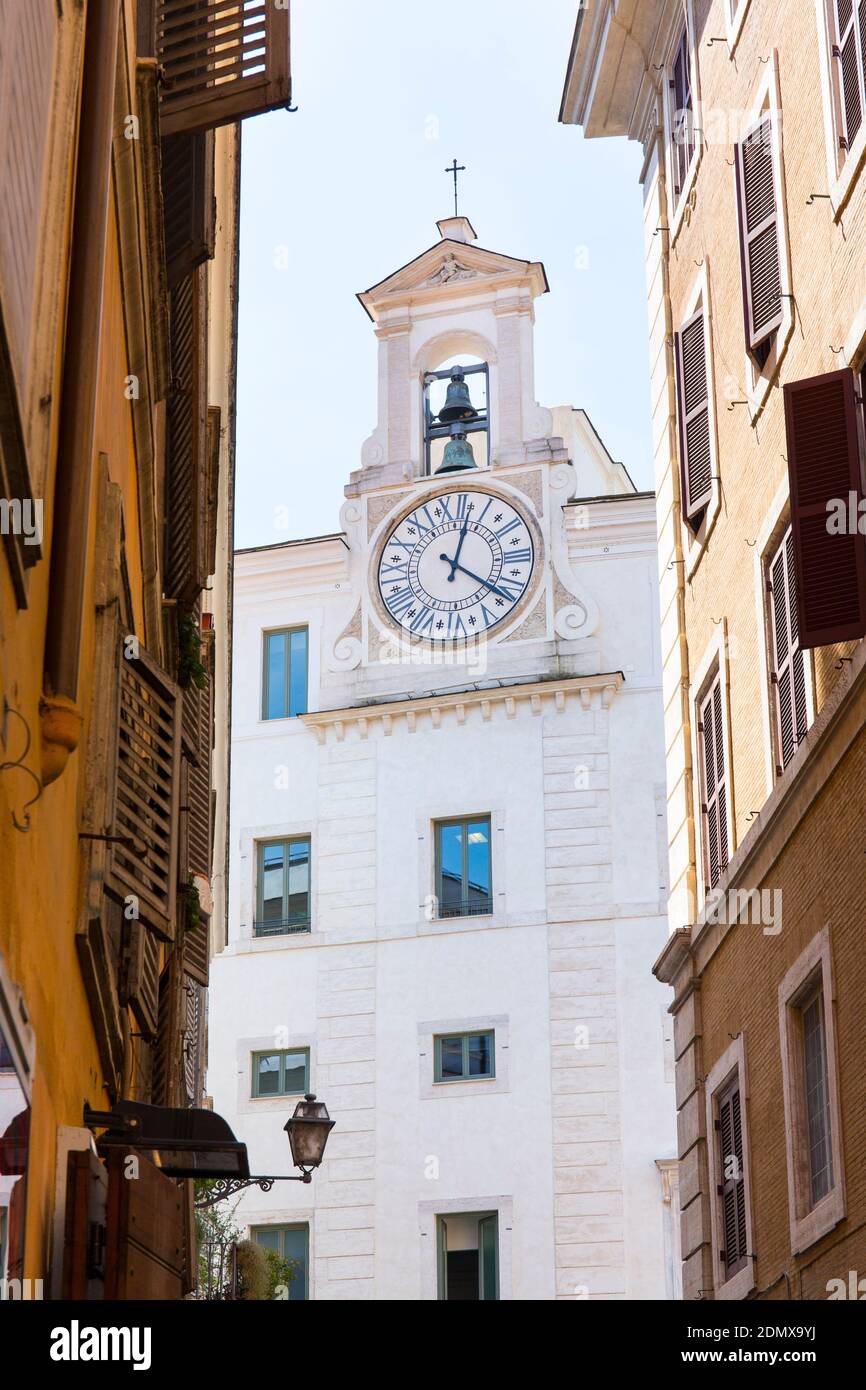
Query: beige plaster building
[[751, 117]]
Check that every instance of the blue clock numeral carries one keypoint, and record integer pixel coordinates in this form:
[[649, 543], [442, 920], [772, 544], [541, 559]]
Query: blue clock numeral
[[503, 530], [517, 557], [401, 601]]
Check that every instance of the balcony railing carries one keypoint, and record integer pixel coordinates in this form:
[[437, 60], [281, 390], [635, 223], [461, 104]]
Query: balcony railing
[[284, 928], [466, 907]]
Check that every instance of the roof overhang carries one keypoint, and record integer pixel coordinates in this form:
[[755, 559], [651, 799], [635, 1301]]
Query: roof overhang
[[608, 73]]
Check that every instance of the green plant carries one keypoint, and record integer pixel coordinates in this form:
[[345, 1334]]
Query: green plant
[[190, 670], [280, 1274]]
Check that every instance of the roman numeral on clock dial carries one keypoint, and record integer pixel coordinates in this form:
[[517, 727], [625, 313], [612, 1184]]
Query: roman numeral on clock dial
[[459, 564]]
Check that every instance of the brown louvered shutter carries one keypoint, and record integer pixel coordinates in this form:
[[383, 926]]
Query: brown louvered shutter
[[196, 950], [142, 977], [759, 233], [715, 792], [146, 792], [788, 661], [732, 1187], [28, 39], [850, 54], [167, 1059], [824, 467], [189, 205], [696, 467], [194, 1042], [186, 482], [197, 749], [222, 61], [214, 430]]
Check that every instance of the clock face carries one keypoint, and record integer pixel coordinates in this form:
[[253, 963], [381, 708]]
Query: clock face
[[457, 566]]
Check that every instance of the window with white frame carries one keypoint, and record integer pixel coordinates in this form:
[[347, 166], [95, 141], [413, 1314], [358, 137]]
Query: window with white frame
[[680, 112], [812, 1124], [847, 19], [788, 663], [731, 1187], [714, 781]]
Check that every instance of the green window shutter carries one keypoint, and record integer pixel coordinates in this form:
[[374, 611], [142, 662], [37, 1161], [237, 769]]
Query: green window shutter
[[488, 1257], [442, 1258]]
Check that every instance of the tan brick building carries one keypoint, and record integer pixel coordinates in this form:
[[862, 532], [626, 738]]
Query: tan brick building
[[752, 117]]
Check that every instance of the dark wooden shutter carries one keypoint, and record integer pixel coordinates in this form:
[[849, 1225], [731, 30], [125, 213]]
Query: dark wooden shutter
[[759, 233], [197, 750], [715, 800], [166, 1058], [189, 205], [84, 1232], [732, 1190], [788, 673], [196, 950], [147, 792], [696, 466], [222, 60], [186, 483], [142, 977], [194, 1043], [851, 35], [214, 431], [824, 466], [28, 39], [146, 1244]]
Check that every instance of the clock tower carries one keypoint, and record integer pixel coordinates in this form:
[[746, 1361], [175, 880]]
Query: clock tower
[[448, 883]]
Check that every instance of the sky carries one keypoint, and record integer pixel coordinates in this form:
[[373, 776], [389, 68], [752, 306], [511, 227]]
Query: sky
[[348, 188]]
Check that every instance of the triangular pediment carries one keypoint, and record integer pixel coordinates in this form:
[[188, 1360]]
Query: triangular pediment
[[452, 267]]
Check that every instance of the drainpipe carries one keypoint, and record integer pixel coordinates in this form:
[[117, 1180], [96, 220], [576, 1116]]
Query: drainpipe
[[60, 715]]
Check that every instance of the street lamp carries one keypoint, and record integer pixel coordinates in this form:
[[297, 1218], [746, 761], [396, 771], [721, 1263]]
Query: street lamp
[[308, 1131]]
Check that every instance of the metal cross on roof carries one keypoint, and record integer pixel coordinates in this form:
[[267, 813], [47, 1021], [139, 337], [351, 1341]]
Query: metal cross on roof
[[455, 169]]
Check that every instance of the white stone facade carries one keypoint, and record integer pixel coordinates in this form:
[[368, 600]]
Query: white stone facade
[[552, 728]]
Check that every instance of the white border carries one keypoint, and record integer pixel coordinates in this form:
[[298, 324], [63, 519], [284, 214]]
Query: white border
[[496, 1084], [427, 1213], [809, 1225], [733, 1059], [841, 177], [695, 542], [768, 99], [715, 657]]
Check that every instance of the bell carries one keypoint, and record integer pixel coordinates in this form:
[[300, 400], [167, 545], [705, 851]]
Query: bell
[[458, 455], [458, 403]]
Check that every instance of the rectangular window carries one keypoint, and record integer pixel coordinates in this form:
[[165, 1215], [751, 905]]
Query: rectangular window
[[281, 1073], [849, 63], [291, 1256], [465, 1057], [283, 887], [788, 673], [817, 1096], [681, 113], [284, 677], [714, 784], [810, 1077], [463, 885], [468, 1257], [733, 1243]]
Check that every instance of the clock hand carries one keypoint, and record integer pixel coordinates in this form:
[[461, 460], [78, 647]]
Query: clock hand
[[453, 563], [486, 582]]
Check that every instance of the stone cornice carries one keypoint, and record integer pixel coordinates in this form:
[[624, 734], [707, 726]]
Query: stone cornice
[[479, 699]]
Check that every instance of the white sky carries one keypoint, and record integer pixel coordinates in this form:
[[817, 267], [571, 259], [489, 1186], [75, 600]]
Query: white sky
[[341, 193]]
